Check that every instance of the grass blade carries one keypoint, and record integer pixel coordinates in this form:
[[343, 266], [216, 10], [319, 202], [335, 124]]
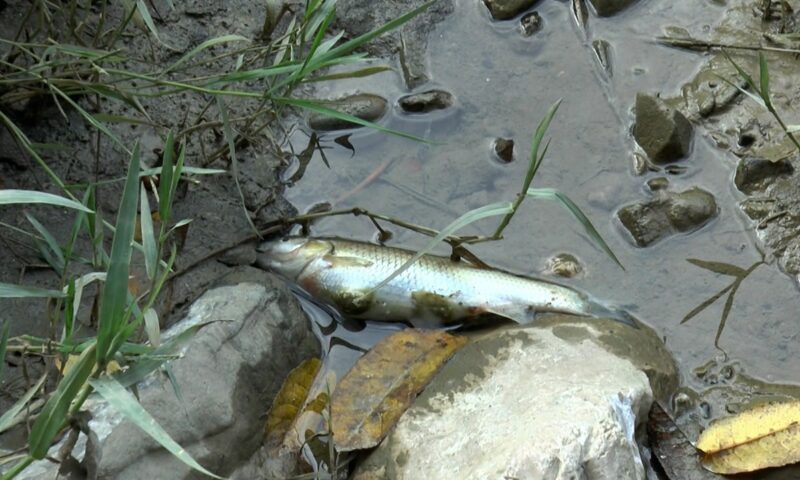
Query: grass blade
[[319, 108], [566, 202], [148, 235], [718, 267], [115, 293], [231, 140], [8, 290], [533, 166], [126, 404], [152, 328], [706, 304], [89, 118], [726, 310], [763, 73], [7, 420], [53, 416], [165, 180], [10, 197], [360, 73], [351, 45], [150, 361], [51, 250], [491, 210], [207, 44]]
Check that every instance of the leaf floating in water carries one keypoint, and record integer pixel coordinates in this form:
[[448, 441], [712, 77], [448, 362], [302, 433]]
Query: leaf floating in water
[[762, 437], [382, 384]]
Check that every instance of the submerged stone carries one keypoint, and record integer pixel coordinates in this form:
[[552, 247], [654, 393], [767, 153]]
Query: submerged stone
[[555, 401], [427, 101], [756, 174], [667, 214], [504, 149], [564, 265], [606, 8], [662, 131], [530, 23], [507, 9], [365, 106]]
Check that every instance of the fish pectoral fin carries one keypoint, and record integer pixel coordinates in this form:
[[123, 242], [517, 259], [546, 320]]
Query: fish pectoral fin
[[341, 261]]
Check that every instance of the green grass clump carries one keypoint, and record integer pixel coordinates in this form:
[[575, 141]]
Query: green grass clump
[[63, 55]]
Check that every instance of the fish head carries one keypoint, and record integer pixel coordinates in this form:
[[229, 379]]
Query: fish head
[[290, 256]]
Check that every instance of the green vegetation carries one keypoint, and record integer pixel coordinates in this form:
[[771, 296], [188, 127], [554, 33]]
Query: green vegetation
[[71, 58]]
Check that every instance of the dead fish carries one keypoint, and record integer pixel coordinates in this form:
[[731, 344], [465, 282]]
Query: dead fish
[[434, 290]]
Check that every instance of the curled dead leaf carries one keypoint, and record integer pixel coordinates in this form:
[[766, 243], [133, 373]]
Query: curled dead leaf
[[382, 384], [287, 405], [764, 436]]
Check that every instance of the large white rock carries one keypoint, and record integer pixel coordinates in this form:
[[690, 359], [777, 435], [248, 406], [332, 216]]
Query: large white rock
[[534, 403]]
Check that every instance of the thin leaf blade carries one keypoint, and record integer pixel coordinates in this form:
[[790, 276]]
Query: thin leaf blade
[[574, 209], [12, 196], [126, 404], [115, 294]]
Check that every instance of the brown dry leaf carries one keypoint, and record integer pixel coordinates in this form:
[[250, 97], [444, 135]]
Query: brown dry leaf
[[382, 384], [288, 403], [761, 437]]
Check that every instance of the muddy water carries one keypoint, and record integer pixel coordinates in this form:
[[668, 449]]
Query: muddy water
[[504, 82]]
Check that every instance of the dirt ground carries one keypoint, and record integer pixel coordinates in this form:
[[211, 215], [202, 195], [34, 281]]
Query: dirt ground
[[81, 155]]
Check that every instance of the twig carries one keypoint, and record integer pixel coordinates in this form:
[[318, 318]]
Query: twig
[[695, 44]]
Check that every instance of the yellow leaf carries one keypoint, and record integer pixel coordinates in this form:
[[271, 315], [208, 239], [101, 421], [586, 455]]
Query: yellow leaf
[[762, 437], [382, 384], [287, 405]]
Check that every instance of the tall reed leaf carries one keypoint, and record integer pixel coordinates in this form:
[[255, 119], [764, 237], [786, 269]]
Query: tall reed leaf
[[126, 404], [11, 196], [113, 302], [491, 210]]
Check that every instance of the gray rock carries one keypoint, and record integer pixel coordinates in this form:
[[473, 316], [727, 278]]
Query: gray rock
[[426, 101], [228, 374], [365, 106], [548, 402], [507, 9], [606, 8], [756, 174], [662, 131], [504, 149], [666, 214]]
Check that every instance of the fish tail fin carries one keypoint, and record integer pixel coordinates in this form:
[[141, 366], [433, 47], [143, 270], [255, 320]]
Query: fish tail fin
[[526, 314], [602, 311]]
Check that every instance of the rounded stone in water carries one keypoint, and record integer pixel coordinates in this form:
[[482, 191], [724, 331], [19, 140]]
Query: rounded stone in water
[[564, 265]]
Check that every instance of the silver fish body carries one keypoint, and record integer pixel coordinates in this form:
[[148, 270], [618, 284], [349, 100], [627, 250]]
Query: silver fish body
[[434, 290]]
